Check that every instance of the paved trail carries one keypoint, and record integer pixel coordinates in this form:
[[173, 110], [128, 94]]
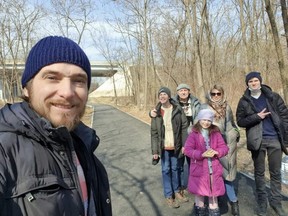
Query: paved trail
[[135, 183]]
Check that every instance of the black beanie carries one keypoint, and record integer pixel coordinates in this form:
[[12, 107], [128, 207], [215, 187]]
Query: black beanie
[[54, 49], [253, 74], [165, 90]]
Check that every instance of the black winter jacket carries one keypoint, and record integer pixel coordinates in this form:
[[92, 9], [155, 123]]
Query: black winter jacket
[[37, 172], [179, 125], [247, 117]]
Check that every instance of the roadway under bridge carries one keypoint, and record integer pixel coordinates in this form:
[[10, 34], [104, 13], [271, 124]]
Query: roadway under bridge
[[98, 68]]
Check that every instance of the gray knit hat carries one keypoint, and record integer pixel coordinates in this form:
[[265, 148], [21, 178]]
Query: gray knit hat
[[54, 49], [183, 86], [165, 90]]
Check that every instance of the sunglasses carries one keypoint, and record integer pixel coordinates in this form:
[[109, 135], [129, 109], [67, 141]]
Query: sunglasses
[[214, 94]]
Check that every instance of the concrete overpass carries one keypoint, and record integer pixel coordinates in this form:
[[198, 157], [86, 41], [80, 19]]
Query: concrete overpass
[[98, 68]]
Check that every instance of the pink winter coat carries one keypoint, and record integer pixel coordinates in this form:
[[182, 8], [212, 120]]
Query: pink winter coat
[[199, 178]]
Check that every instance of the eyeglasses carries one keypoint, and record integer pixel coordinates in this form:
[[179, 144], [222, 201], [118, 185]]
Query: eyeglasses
[[215, 93]]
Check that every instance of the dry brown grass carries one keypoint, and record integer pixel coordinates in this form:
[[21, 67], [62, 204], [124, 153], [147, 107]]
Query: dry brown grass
[[87, 118]]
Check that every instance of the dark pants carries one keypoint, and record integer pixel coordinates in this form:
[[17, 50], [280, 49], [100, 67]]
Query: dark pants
[[183, 179], [274, 153]]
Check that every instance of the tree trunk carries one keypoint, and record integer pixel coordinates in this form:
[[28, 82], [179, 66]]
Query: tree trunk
[[277, 43], [243, 31], [285, 20], [196, 46]]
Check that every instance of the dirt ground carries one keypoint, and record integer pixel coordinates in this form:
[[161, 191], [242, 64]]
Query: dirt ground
[[244, 161]]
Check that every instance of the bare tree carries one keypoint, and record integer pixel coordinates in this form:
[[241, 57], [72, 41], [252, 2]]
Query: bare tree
[[191, 13], [18, 23], [106, 49], [73, 17], [243, 31], [135, 26], [274, 29], [285, 20]]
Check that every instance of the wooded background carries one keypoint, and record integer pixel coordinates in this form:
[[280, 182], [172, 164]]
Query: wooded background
[[161, 43]]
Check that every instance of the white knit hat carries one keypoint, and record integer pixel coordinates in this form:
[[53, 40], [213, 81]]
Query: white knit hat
[[205, 114]]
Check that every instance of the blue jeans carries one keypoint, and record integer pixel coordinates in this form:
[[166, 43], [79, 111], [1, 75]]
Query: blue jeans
[[273, 149], [230, 191], [169, 173]]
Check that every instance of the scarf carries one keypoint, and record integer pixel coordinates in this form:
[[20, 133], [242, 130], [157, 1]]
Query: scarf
[[219, 107]]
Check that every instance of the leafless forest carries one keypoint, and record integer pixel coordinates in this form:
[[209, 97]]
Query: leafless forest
[[161, 42]]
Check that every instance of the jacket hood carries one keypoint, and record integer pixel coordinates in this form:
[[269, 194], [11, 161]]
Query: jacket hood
[[19, 118]]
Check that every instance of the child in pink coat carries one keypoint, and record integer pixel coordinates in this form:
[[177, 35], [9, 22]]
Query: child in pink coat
[[205, 146]]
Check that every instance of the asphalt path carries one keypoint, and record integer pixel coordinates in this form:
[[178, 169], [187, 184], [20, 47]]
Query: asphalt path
[[136, 185]]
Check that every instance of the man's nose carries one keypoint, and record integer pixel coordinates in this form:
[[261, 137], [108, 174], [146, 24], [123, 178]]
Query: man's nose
[[66, 88]]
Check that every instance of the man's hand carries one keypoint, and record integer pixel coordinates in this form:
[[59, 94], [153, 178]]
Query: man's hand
[[263, 114], [155, 156], [153, 113]]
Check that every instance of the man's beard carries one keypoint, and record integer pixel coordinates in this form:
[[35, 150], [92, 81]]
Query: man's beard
[[44, 111], [66, 120]]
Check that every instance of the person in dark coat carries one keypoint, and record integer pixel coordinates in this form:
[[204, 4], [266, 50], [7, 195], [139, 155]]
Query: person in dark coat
[[168, 135], [264, 115], [47, 161], [190, 105]]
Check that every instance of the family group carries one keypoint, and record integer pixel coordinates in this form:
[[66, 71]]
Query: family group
[[207, 136]]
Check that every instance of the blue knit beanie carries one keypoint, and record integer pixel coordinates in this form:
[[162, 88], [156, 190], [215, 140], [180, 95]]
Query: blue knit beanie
[[253, 74], [54, 49]]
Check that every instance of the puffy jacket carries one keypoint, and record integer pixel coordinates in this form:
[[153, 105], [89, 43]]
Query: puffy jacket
[[231, 136], [37, 172], [200, 181], [247, 118], [179, 125]]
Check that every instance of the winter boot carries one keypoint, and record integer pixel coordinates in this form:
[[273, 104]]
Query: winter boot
[[262, 209], [235, 208], [214, 212], [199, 211]]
